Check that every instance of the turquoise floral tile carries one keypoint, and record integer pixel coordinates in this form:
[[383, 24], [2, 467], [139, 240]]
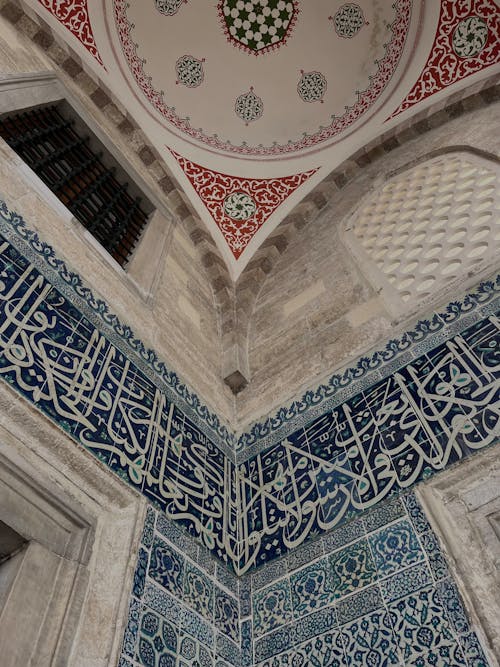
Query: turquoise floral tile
[[324, 650], [420, 624], [395, 547], [167, 567], [416, 513], [407, 581], [382, 515], [473, 651], [436, 558], [226, 614], [370, 641], [198, 591], [352, 568], [450, 597], [448, 654], [312, 588], [162, 602], [272, 607], [359, 604], [197, 627]]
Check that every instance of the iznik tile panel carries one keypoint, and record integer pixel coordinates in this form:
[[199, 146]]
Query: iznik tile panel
[[180, 614], [372, 597], [63, 350]]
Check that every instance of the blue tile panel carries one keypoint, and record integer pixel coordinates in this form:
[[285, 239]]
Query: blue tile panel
[[375, 599], [64, 351], [180, 613]]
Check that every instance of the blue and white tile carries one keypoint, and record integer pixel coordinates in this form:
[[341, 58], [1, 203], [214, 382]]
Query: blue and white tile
[[272, 607], [395, 547], [312, 587]]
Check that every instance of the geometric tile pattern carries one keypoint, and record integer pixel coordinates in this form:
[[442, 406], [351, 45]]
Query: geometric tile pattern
[[258, 26], [75, 17], [467, 40], [63, 351]]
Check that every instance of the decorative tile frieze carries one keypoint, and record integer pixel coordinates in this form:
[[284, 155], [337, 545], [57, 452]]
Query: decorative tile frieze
[[64, 351]]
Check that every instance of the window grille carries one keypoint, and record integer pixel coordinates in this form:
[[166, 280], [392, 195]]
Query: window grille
[[50, 145]]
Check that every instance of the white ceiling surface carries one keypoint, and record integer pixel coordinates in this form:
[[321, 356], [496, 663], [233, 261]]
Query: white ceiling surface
[[312, 45]]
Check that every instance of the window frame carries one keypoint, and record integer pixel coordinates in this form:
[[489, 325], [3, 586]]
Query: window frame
[[144, 268]]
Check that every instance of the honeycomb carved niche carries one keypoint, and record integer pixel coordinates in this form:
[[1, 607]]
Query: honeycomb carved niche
[[428, 229]]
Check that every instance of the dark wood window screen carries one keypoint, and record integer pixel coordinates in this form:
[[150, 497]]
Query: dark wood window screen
[[49, 144]]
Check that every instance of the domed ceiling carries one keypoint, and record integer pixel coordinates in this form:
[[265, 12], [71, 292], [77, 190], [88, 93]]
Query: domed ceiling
[[252, 102]]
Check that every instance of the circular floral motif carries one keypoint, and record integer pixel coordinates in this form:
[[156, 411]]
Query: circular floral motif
[[168, 7], [239, 206], [312, 87], [470, 37], [349, 20], [257, 26], [189, 71], [249, 106]]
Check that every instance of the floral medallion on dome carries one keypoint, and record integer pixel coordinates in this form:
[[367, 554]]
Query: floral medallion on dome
[[249, 106], [312, 86], [189, 71], [467, 41], [169, 7], [266, 139], [349, 20], [239, 206], [258, 26], [470, 37]]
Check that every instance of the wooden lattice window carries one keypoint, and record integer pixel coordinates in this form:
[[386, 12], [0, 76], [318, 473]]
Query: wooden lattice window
[[64, 159]]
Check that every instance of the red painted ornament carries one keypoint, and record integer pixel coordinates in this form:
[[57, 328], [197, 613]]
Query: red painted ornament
[[239, 206]]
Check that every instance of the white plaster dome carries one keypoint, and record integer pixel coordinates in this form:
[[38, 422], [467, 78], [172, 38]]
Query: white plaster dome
[[260, 78]]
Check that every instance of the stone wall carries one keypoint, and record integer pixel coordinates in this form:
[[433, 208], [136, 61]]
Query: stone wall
[[316, 310], [165, 291]]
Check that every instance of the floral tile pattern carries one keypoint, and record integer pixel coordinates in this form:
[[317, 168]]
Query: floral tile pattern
[[272, 607], [395, 547], [420, 624], [179, 615], [226, 614], [352, 568], [312, 587], [198, 591], [369, 638], [376, 600], [167, 567]]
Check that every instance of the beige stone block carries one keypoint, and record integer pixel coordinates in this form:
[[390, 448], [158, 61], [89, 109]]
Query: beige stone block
[[365, 312], [188, 309], [305, 297], [184, 242]]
